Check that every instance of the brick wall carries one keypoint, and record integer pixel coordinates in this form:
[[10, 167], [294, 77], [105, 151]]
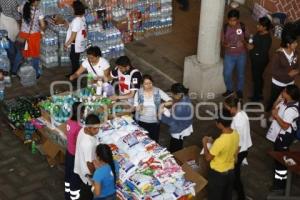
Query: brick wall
[[291, 7]]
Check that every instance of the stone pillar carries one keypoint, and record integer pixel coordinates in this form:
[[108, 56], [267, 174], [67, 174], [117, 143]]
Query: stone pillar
[[203, 72]]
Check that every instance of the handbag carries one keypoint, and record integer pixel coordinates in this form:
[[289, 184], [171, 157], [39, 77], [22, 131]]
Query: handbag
[[22, 43]]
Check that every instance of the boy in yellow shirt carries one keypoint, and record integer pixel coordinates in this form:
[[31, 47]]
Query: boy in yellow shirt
[[222, 156]]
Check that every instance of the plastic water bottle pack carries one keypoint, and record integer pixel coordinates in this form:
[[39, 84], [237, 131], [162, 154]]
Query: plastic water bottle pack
[[49, 50], [27, 74]]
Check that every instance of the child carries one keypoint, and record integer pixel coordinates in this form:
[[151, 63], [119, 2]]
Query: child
[[105, 176], [72, 180]]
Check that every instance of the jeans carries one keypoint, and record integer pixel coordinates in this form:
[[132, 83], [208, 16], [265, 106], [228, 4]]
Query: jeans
[[220, 185], [35, 62], [11, 54], [230, 62]]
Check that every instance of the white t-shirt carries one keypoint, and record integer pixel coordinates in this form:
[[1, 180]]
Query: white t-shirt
[[286, 114], [98, 69], [79, 26], [149, 112], [85, 152], [241, 124]]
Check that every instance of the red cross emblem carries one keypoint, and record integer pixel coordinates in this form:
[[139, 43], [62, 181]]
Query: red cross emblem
[[122, 84], [84, 33]]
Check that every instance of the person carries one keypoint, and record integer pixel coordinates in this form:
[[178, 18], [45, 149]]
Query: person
[[72, 180], [32, 29], [129, 79], [10, 18], [285, 67], [284, 115], [147, 101], [222, 156], [76, 38], [85, 153], [259, 56], [95, 64], [106, 174], [240, 123], [233, 41], [181, 118]]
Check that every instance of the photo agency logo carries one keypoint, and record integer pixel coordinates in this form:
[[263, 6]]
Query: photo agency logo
[[203, 111]]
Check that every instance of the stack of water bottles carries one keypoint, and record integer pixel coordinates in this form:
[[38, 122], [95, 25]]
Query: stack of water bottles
[[49, 53], [109, 40], [49, 7], [166, 19], [61, 32], [27, 74]]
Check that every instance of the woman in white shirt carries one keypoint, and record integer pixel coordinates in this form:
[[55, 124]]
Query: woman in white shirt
[[95, 65], [76, 35], [284, 116], [147, 101]]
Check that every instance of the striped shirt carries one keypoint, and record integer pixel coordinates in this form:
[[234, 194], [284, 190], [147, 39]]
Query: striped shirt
[[10, 9]]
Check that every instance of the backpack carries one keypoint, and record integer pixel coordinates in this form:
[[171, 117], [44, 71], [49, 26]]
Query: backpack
[[297, 120]]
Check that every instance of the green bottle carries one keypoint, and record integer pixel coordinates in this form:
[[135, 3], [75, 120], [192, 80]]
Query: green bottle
[[33, 147]]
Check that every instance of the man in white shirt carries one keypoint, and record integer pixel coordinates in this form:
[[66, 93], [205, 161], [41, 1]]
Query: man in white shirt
[[86, 153], [129, 79], [240, 123]]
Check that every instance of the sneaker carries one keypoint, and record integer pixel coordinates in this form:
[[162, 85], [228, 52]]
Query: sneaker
[[239, 94], [227, 93]]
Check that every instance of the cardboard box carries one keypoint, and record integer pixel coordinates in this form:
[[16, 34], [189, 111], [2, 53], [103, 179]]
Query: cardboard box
[[46, 116], [197, 175], [55, 155]]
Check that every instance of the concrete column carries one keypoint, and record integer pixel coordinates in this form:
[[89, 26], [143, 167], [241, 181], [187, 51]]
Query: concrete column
[[211, 20], [203, 73]]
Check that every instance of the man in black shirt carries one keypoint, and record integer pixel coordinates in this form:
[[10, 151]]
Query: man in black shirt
[[259, 56]]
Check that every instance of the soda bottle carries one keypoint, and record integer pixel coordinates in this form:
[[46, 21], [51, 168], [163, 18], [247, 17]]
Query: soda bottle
[[33, 147]]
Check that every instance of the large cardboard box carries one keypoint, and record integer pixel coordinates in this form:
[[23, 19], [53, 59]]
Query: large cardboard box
[[197, 173]]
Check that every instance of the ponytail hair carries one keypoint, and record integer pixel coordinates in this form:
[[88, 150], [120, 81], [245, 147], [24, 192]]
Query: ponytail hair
[[27, 10], [104, 153]]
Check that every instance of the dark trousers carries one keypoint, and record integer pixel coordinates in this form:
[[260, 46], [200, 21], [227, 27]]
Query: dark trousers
[[86, 192], [175, 145], [258, 67], [72, 180], [238, 185], [220, 185], [152, 128], [275, 92], [282, 143], [110, 197], [75, 58]]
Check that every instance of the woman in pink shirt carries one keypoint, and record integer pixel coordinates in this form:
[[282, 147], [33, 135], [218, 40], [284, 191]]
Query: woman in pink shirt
[[72, 180]]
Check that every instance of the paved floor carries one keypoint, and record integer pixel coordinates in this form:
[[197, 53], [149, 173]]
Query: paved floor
[[27, 176]]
